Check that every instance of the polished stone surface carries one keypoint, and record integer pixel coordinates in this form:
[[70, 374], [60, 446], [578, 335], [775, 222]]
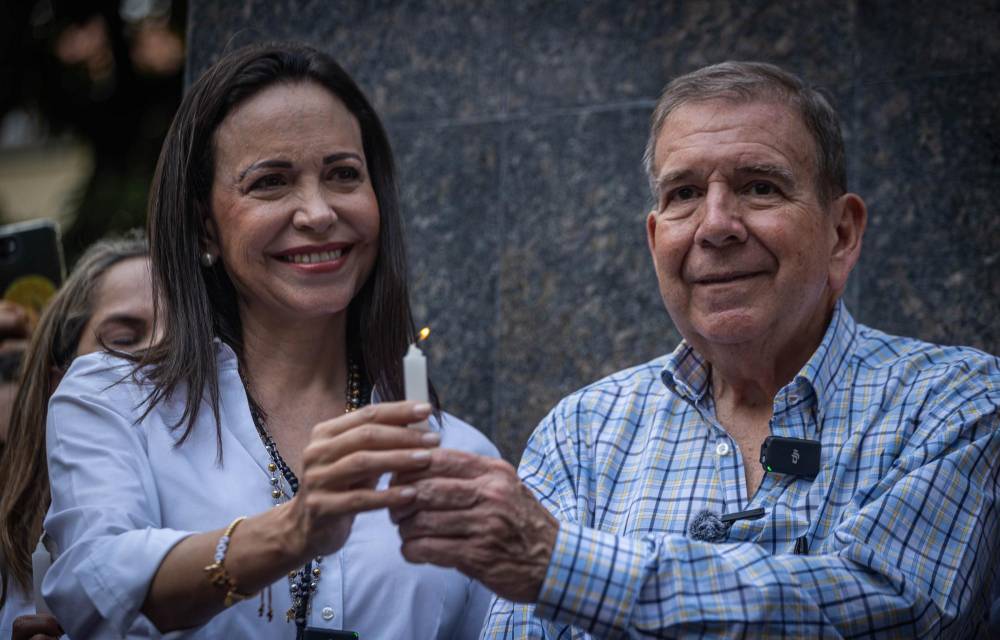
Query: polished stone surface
[[566, 54], [931, 264], [578, 295], [519, 128], [933, 276], [926, 37], [937, 127], [435, 59], [453, 215]]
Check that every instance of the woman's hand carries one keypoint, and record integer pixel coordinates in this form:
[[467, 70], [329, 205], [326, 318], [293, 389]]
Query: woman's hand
[[35, 627], [342, 465]]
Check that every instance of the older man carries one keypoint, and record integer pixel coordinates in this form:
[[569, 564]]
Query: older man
[[644, 509]]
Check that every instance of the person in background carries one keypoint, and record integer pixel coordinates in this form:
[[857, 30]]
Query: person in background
[[617, 527], [15, 330], [106, 302], [233, 481]]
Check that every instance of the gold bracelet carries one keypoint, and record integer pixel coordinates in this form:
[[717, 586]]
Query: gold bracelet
[[216, 571]]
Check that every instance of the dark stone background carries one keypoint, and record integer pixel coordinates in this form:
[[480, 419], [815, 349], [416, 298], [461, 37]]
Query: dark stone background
[[519, 128]]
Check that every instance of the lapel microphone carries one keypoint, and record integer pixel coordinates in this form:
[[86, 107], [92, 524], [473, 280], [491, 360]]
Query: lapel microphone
[[792, 456], [707, 526]]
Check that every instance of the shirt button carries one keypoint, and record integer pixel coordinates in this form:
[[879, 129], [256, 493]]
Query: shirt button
[[327, 613], [722, 448]]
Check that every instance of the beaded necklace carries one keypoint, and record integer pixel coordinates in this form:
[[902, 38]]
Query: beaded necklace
[[303, 582]]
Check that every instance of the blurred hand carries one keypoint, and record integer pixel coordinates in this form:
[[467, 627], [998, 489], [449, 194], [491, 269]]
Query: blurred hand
[[15, 323], [15, 328], [35, 627], [474, 514], [342, 465]]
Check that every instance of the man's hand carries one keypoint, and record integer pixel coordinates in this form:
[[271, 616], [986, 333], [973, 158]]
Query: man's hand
[[473, 513], [342, 465]]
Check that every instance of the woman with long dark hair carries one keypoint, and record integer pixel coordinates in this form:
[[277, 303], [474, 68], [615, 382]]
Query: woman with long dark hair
[[106, 302], [233, 481]]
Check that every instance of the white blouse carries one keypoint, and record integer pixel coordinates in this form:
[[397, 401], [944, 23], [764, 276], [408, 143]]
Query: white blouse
[[18, 603], [123, 495]]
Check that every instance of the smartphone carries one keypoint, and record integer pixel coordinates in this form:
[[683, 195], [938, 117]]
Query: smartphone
[[31, 263]]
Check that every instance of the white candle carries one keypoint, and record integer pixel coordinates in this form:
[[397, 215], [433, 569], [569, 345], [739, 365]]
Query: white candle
[[40, 562], [415, 379]]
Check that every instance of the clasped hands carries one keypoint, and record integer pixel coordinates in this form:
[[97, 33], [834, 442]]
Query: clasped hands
[[453, 508]]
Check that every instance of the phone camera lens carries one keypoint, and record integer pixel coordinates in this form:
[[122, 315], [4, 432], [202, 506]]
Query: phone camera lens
[[8, 247]]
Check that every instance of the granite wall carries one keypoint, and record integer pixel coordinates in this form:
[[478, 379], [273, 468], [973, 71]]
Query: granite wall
[[519, 127]]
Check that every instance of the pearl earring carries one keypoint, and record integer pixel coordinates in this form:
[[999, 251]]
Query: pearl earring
[[208, 259]]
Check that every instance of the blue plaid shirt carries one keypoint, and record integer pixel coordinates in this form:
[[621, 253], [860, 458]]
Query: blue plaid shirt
[[901, 522]]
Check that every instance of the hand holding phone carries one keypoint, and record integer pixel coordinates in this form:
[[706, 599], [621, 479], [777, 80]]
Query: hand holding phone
[[31, 264], [13, 322]]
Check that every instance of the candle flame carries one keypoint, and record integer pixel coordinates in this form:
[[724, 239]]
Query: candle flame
[[422, 335]]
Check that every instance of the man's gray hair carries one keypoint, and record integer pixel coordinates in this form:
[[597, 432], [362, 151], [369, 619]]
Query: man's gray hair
[[752, 82]]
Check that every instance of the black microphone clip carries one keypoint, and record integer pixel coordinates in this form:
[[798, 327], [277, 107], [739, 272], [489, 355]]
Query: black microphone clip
[[749, 514]]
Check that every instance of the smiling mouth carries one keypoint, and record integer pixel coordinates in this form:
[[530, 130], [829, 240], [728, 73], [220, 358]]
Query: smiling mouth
[[315, 257], [727, 277]]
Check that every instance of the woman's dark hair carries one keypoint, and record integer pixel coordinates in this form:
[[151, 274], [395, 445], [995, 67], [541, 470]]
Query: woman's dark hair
[[197, 304]]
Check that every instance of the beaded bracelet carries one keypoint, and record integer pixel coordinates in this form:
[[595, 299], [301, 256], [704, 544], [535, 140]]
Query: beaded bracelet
[[216, 571]]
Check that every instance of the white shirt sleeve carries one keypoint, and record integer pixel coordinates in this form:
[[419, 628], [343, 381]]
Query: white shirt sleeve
[[105, 513], [18, 603]]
